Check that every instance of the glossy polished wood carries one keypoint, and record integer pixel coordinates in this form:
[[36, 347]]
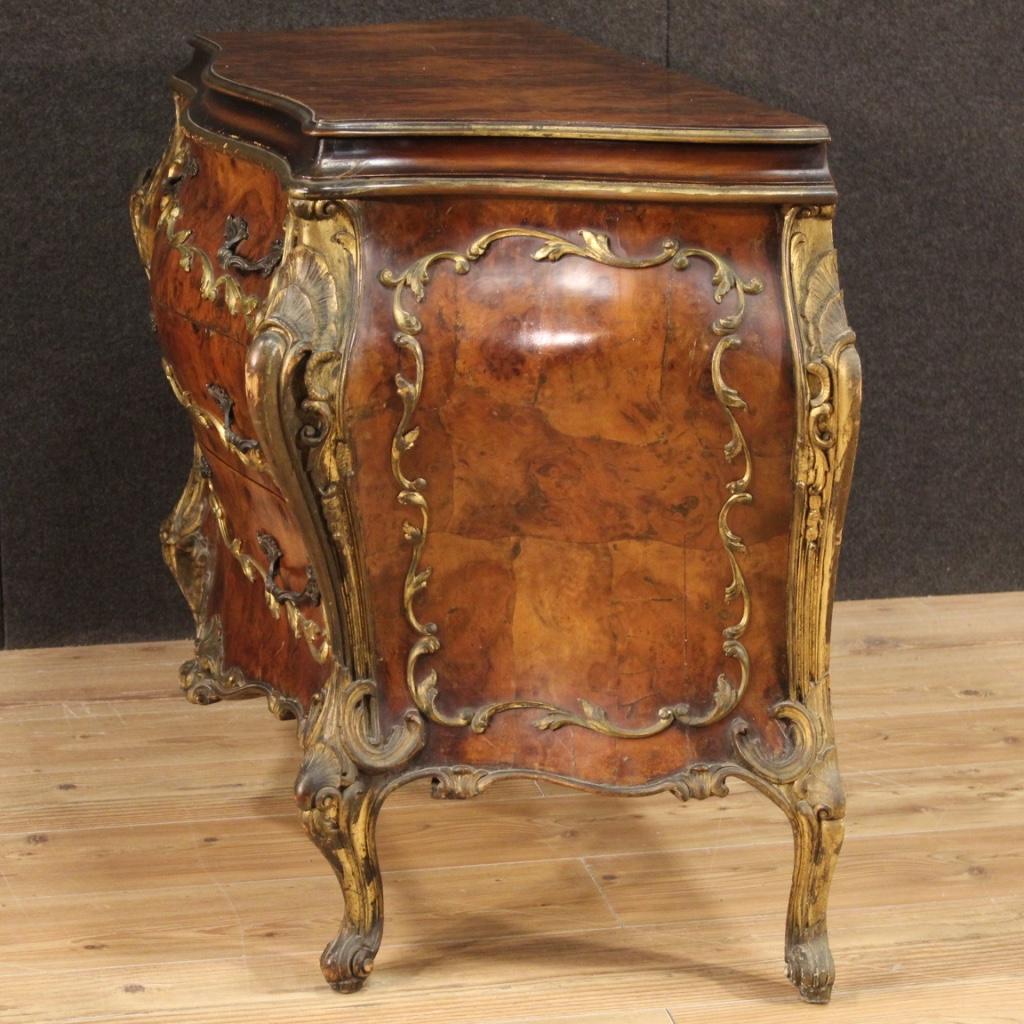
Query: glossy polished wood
[[362, 109], [258, 642], [571, 443], [463, 76]]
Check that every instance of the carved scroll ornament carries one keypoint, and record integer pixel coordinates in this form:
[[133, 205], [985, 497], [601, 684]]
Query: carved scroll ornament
[[424, 685]]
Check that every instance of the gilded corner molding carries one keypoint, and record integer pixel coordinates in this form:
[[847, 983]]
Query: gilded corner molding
[[424, 685], [827, 381], [295, 376], [186, 549], [177, 164], [828, 397]]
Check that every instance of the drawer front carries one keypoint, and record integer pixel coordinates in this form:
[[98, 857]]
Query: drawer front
[[218, 237], [206, 371], [264, 564]]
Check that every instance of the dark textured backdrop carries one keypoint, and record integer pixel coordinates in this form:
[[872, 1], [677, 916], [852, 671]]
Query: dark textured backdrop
[[924, 102]]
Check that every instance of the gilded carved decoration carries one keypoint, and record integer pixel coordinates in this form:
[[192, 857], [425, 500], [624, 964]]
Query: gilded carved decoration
[[189, 555], [206, 679], [339, 809], [423, 685], [246, 450], [295, 386], [303, 628]]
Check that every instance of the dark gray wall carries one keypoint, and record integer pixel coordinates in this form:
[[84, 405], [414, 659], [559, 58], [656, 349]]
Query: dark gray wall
[[924, 103]]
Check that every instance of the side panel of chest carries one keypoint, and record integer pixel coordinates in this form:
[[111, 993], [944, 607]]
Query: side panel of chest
[[572, 431]]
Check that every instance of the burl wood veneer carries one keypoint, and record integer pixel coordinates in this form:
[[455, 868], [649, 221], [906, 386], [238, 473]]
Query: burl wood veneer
[[525, 409]]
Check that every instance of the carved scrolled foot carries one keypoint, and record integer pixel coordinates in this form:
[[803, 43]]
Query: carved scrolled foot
[[198, 682], [197, 688], [810, 968], [348, 960], [339, 812]]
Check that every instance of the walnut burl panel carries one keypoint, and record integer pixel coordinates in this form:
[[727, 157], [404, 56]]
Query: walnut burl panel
[[212, 186], [525, 409], [571, 443]]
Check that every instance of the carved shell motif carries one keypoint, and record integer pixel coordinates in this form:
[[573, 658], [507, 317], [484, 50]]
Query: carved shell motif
[[822, 309], [304, 296]]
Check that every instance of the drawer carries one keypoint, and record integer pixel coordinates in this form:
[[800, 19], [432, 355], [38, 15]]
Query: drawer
[[258, 533], [206, 372], [218, 239]]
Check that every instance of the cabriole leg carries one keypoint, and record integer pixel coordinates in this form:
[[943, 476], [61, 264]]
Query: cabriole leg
[[817, 817], [340, 816]]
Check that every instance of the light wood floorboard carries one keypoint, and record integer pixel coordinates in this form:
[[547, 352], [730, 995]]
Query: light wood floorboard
[[152, 868]]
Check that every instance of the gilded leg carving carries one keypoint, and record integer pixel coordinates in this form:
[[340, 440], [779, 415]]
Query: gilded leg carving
[[339, 812], [803, 780], [816, 814]]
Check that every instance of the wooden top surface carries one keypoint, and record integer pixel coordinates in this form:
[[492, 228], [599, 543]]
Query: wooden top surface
[[493, 78]]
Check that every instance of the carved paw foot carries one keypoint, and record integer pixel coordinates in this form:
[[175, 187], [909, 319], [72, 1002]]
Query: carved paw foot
[[347, 962], [809, 966]]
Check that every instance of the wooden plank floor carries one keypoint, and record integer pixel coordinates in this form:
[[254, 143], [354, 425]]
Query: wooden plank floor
[[152, 867]]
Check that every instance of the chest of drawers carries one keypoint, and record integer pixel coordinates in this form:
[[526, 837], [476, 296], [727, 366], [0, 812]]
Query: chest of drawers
[[525, 407]]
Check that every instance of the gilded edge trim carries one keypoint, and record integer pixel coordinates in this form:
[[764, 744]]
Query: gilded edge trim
[[585, 188], [345, 182], [769, 773], [596, 247]]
